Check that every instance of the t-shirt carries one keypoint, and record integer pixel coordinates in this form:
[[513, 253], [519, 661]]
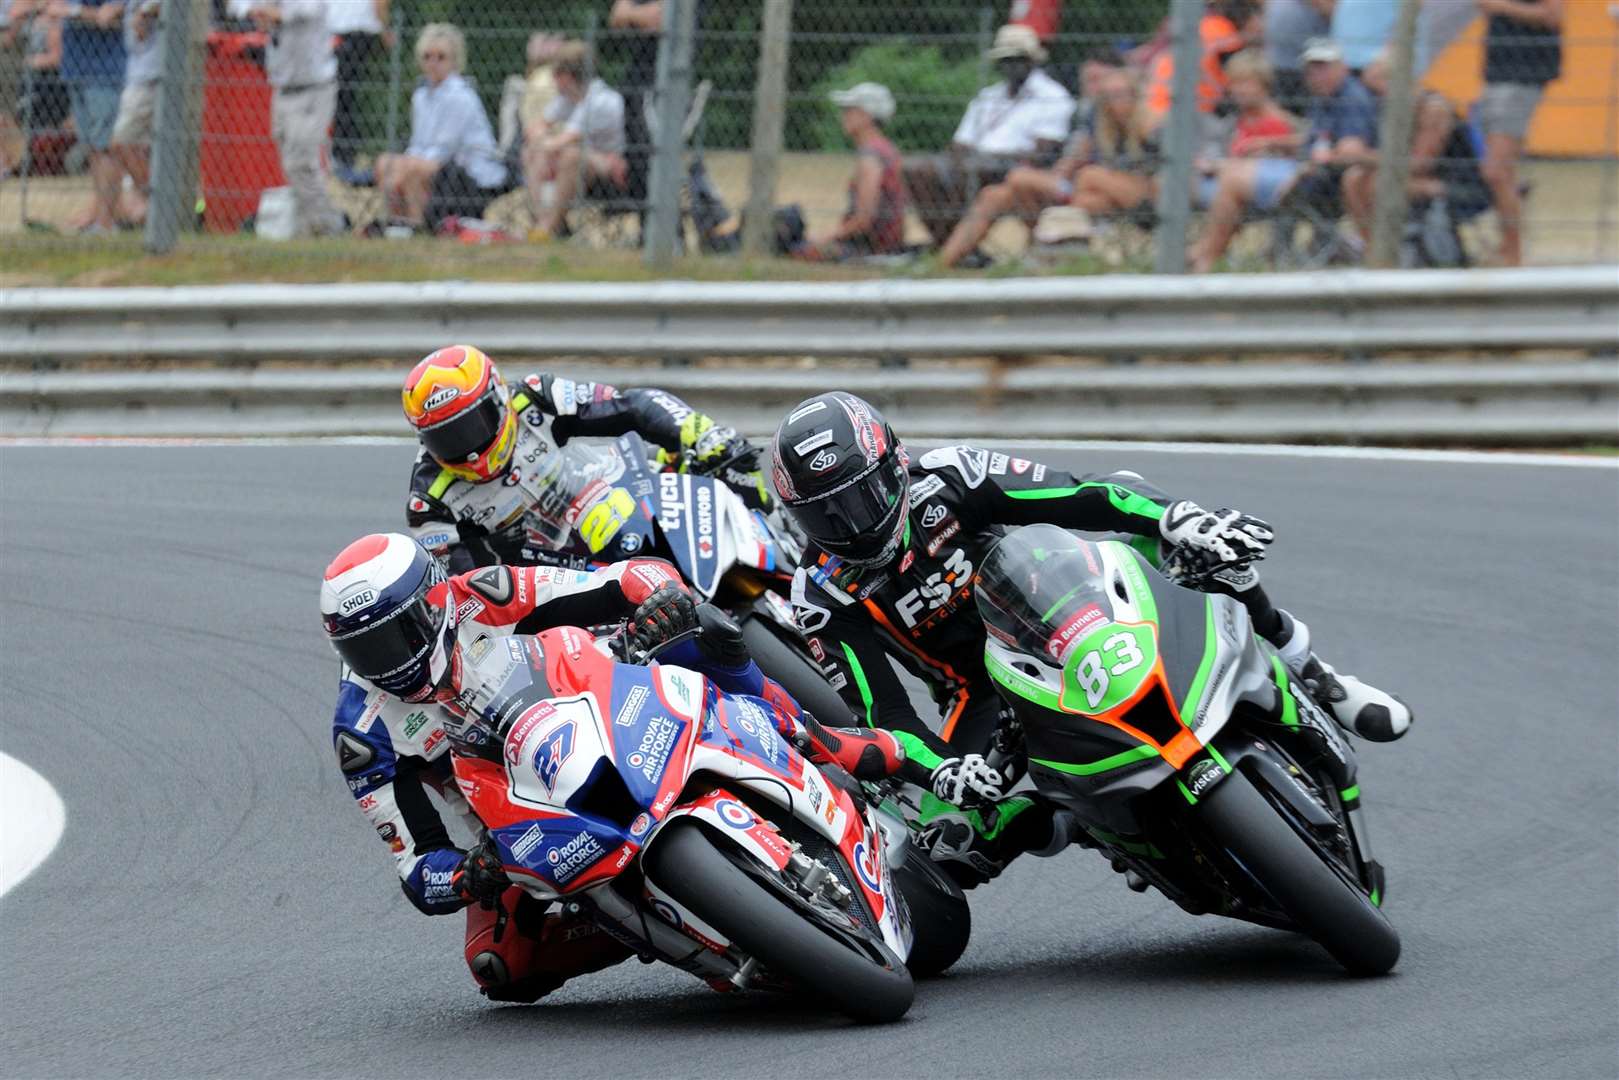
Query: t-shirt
[[447, 123], [888, 226], [1350, 113], [997, 122], [1361, 28], [598, 117], [352, 17], [638, 50], [1516, 52], [90, 54], [145, 57], [1264, 126]]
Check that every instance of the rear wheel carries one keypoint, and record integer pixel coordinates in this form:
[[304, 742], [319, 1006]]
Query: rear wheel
[[1323, 904], [867, 983], [796, 672], [941, 921]]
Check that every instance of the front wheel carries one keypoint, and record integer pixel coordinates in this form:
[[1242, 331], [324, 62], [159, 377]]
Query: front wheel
[[941, 921], [796, 672], [687, 865], [1324, 905]]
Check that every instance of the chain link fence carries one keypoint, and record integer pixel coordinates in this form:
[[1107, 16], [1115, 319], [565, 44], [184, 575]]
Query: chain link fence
[[950, 134]]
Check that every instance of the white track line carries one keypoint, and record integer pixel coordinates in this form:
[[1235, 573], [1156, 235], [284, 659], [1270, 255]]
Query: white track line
[[33, 817], [1351, 453]]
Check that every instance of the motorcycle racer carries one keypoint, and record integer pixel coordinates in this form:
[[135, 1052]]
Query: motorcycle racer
[[482, 438], [888, 576], [400, 627]]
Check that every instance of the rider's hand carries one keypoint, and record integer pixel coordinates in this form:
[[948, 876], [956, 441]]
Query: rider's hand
[[663, 615], [479, 879], [1229, 536], [966, 781], [706, 443]]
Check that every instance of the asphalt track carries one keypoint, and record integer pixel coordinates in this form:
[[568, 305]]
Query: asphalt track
[[218, 907]]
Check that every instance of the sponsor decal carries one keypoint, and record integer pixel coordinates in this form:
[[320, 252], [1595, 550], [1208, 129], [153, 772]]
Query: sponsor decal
[[813, 794], [624, 855], [942, 537], [442, 396], [630, 711], [1039, 474], [571, 643], [817, 651], [653, 575], [434, 541], [368, 802], [436, 884], [937, 590], [527, 843], [752, 719], [657, 742], [865, 864], [629, 542], [933, 515], [910, 557], [577, 854], [1072, 629], [705, 522], [479, 650], [354, 602], [997, 464], [469, 607], [514, 649], [1205, 773], [431, 743], [416, 505], [1020, 466], [814, 442], [808, 410], [413, 723], [925, 488], [838, 681], [554, 750], [665, 911], [639, 827], [823, 461], [809, 617]]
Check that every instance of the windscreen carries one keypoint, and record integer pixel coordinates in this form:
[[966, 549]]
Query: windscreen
[[1040, 589], [562, 483]]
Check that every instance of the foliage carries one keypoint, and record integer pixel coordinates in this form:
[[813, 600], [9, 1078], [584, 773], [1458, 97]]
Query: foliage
[[928, 88]]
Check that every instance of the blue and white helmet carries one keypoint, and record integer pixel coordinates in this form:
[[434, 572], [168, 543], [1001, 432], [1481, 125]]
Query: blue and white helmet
[[381, 613]]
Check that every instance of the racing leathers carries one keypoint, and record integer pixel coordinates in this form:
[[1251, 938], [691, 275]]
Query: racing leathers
[[510, 519], [919, 611], [393, 753]]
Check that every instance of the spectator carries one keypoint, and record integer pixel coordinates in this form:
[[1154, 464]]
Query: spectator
[[303, 94], [452, 166], [11, 82], [1106, 169], [588, 144], [43, 106], [93, 69], [1523, 51], [525, 98], [1022, 119], [1225, 27], [1041, 16], [1342, 162], [640, 24], [1443, 163], [361, 27], [137, 105], [874, 220], [1260, 166], [1362, 28], [1288, 25]]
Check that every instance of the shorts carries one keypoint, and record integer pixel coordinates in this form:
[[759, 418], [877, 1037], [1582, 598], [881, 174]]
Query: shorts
[[137, 109], [1272, 179], [1507, 108], [95, 110]]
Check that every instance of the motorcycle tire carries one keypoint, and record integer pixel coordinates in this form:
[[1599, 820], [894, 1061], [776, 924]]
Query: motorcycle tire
[[1326, 907], [941, 921], [687, 865], [796, 672]]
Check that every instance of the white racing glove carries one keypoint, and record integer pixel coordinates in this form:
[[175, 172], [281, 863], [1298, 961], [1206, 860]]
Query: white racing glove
[[1227, 535], [967, 780]]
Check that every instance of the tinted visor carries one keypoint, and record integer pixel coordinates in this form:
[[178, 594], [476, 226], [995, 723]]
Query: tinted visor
[[393, 652], [465, 436], [859, 516]]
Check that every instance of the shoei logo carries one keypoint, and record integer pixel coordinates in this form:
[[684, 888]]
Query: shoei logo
[[350, 604], [442, 396], [823, 461]]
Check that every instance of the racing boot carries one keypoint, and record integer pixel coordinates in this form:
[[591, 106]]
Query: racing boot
[[1358, 706], [974, 846], [864, 753]]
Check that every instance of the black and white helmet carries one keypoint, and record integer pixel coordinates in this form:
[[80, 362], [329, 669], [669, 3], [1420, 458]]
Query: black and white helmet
[[843, 477]]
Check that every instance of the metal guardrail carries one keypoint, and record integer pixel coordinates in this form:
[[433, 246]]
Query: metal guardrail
[[1355, 312], [1521, 402]]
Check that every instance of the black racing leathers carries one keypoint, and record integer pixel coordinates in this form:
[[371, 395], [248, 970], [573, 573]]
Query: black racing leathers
[[920, 610]]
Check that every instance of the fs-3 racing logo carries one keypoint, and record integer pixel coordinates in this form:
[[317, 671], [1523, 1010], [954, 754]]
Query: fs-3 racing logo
[[937, 590]]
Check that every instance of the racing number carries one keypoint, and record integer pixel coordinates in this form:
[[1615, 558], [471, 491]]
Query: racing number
[[598, 527], [1094, 669]]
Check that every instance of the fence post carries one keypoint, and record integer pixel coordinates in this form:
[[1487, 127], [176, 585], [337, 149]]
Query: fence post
[[1394, 141], [178, 133], [1175, 187], [769, 115], [672, 91]]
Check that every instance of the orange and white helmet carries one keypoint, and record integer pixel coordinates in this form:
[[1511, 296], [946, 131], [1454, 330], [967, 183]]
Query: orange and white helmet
[[462, 412]]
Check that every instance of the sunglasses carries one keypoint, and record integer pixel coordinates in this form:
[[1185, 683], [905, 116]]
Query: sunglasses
[[435, 56]]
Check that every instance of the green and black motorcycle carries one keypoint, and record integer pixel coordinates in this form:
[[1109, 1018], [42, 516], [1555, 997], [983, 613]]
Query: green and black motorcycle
[[1175, 735]]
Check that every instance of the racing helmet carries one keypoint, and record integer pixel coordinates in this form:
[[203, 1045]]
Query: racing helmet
[[844, 477], [462, 412], [382, 615]]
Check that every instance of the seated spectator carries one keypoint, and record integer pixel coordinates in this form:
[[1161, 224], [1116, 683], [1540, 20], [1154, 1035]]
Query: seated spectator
[[1341, 170], [586, 145], [1106, 169], [874, 221], [452, 167], [1020, 120], [524, 98], [137, 106]]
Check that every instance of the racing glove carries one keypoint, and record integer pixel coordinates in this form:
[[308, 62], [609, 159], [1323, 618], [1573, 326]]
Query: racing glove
[[480, 879], [665, 614], [707, 444], [967, 780], [1227, 535]]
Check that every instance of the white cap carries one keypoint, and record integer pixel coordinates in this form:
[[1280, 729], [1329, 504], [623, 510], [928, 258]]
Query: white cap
[[1321, 50], [871, 98], [1014, 39]]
